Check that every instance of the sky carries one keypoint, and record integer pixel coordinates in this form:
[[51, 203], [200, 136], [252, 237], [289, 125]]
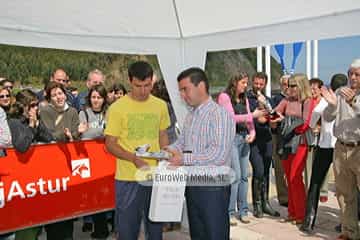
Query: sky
[[335, 56]]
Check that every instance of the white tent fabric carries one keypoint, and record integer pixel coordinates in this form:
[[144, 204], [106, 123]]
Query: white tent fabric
[[180, 32]]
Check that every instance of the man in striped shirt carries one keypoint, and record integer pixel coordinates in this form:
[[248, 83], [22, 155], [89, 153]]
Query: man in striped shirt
[[205, 145]]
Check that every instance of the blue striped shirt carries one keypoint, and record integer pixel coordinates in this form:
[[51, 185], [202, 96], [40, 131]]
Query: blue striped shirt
[[207, 136]]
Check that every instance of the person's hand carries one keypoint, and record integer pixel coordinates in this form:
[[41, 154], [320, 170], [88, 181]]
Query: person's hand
[[141, 164], [261, 98], [316, 129], [67, 133], [33, 119], [83, 127], [329, 95], [274, 121], [259, 113], [348, 94], [249, 138], [176, 158], [301, 129]]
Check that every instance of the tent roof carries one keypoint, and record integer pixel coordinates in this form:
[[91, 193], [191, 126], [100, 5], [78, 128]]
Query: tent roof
[[160, 18], [180, 32]]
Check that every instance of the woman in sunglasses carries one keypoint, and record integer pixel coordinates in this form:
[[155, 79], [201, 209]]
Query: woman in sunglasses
[[5, 98], [26, 128], [25, 125], [297, 108]]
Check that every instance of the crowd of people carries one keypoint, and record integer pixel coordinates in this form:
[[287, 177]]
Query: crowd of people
[[299, 131], [55, 114]]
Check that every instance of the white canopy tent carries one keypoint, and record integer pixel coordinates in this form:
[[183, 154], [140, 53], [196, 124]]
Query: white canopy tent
[[179, 32]]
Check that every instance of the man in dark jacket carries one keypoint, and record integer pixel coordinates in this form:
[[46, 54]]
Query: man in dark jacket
[[261, 149]]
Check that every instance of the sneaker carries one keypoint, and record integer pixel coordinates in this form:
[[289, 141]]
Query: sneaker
[[244, 219], [323, 199], [87, 227], [233, 221]]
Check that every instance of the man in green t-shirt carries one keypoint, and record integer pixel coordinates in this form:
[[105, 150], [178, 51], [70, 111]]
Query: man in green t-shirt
[[135, 119]]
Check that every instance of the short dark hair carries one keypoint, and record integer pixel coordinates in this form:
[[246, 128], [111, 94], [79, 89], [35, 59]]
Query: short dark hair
[[50, 86], [317, 81], [196, 76], [338, 80], [261, 75], [141, 70]]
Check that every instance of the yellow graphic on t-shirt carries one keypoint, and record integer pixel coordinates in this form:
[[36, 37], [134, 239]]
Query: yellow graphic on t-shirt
[[148, 123]]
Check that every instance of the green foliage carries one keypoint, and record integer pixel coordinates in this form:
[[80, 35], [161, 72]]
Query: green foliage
[[33, 66]]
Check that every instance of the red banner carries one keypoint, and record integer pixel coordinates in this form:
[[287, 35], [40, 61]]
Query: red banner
[[51, 182]]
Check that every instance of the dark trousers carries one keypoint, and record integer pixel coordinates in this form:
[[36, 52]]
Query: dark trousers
[[322, 161], [260, 159], [208, 212], [132, 204], [60, 230]]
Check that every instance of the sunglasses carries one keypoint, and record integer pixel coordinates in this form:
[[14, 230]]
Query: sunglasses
[[4, 96], [292, 85], [32, 105], [9, 87]]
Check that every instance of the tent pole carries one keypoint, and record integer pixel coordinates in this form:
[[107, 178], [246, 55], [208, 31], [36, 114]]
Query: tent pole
[[268, 69], [315, 59], [308, 59], [259, 66]]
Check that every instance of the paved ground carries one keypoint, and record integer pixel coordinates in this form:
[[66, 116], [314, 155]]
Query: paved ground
[[266, 228]]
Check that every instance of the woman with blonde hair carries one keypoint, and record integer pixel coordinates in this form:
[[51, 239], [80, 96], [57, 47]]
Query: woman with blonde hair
[[297, 108]]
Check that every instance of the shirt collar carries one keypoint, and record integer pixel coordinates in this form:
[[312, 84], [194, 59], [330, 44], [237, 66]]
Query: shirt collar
[[203, 106]]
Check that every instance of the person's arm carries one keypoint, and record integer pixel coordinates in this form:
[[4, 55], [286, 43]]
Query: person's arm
[[74, 124], [43, 134], [111, 143], [355, 104], [5, 135], [332, 109], [224, 100], [22, 135], [163, 138], [250, 124]]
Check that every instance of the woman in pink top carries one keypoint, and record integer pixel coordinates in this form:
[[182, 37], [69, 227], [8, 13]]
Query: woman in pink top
[[297, 104], [236, 103]]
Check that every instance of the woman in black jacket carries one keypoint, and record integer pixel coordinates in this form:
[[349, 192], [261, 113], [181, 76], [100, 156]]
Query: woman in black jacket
[[26, 128], [24, 123]]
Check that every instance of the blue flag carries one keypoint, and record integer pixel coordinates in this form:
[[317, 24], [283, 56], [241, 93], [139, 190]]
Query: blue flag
[[296, 51]]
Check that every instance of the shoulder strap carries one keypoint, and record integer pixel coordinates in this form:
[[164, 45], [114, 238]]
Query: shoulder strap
[[86, 115]]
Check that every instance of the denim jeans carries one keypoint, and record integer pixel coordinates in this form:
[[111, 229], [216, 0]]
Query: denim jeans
[[239, 188]]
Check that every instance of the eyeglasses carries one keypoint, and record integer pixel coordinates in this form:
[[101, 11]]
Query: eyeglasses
[[4, 96], [35, 104], [63, 80], [292, 85]]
